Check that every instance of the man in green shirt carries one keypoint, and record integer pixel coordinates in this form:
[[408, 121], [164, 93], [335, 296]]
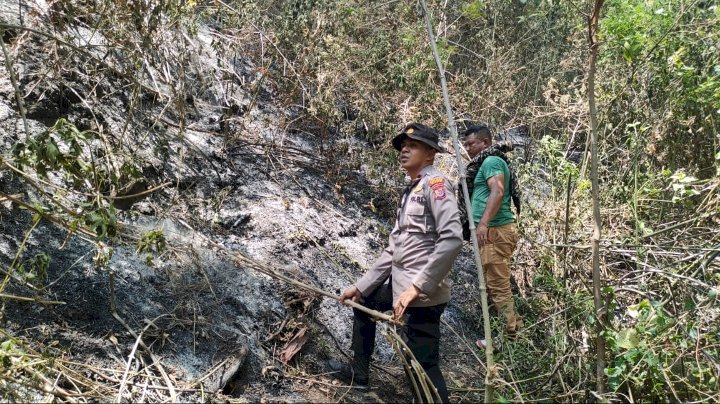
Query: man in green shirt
[[495, 224]]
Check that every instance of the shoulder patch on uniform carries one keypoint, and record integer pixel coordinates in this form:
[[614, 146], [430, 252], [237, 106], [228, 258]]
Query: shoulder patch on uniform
[[439, 193], [437, 183]]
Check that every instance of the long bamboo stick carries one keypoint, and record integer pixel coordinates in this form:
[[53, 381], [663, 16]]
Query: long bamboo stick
[[489, 391], [593, 43]]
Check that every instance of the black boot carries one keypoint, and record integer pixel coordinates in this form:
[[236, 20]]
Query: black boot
[[355, 374]]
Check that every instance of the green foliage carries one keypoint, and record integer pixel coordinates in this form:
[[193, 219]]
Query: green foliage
[[551, 149], [673, 79], [474, 10], [545, 279], [43, 153], [559, 168], [620, 26], [35, 269], [640, 360], [67, 152], [651, 348], [152, 241], [103, 221], [8, 350], [682, 187]]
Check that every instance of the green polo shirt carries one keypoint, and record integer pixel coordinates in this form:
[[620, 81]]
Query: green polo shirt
[[491, 167]]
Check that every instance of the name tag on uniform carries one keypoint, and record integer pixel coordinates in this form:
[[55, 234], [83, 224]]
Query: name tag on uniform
[[417, 199]]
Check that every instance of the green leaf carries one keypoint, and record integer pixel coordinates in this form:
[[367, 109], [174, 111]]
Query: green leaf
[[613, 372], [652, 361], [474, 10], [628, 338], [52, 152], [7, 345]]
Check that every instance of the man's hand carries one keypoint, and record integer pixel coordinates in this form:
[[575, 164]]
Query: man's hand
[[350, 293], [404, 301], [482, 234]]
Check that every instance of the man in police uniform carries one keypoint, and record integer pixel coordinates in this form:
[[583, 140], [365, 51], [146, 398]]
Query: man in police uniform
[[409, 276]]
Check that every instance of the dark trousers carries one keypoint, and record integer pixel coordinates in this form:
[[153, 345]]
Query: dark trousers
[[421, 333]]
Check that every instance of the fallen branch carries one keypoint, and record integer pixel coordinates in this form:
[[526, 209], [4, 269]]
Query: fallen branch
[[130, 357], [50, 218], [139, 194], [47, 183], [16, 196], [392, 336], [29, 299], [279, 330], [155, 359]]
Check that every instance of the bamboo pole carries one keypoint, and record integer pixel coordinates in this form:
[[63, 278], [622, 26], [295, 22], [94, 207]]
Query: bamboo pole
[[491, 371], [593, 23]]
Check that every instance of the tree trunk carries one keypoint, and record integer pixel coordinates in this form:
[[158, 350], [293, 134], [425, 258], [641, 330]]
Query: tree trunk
[[597, 281]]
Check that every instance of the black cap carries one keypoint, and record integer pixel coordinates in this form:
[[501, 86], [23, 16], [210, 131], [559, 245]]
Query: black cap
[[419, 132]]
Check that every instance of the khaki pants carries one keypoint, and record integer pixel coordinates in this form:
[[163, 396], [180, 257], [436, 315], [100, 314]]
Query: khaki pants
[[495, 257]]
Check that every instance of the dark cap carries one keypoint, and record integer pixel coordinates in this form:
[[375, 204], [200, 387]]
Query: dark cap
[[419, 132]]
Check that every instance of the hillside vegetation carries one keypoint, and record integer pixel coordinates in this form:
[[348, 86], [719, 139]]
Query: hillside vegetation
[[163, 161]]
